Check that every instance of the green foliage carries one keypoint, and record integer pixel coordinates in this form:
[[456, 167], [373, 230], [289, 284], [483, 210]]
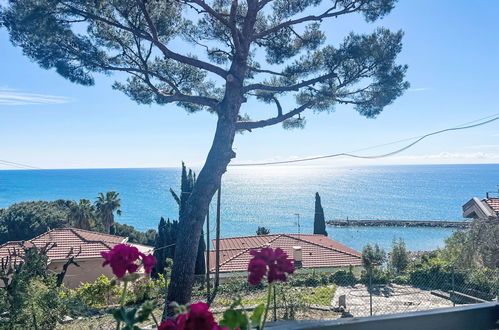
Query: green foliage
[[477, 246], [342, 277], [102, 292], [23, 221], [44, 304], [262, 231], [146, 289], [131, 317], [239, 286], [319, 221], [187, 182], [360, 71], [372, 257], [235, 319], [398, 257], [134, 236], [30, 297], [312, 279], [321, 296], [431, 273], [375, 276], [82, 215], [164, 247], [106, 205]]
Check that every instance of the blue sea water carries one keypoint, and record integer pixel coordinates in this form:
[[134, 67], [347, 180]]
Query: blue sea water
[[273, 196]]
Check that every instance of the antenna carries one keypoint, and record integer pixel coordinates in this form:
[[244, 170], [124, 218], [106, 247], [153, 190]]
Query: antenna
[[298, 223]]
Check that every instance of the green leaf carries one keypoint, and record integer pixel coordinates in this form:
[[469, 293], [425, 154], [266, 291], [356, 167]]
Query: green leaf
[[119, 314], [256, 317], [130, 316], [145, 311], [233, 319], [237, 302]]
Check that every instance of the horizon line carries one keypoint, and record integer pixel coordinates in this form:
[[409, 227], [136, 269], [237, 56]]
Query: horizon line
[[277, 165]]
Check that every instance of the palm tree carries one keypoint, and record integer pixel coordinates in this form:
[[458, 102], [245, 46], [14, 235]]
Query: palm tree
[[106, 205], [82, 214]]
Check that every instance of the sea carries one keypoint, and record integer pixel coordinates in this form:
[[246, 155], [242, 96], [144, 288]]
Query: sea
[[281, 198]]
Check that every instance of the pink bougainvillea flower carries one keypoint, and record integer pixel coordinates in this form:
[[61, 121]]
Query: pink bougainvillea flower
[[174, 324], [271, 263], [123, 258], [149, 261], [198, 318]]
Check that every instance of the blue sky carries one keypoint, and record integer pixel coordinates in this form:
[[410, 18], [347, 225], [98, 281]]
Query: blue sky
[[453, 56]]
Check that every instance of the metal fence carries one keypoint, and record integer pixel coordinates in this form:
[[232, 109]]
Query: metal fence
[[326, 296]]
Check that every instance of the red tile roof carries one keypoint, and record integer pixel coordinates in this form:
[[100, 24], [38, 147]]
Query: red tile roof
[[493, 203], [318, 251], [67, 241]]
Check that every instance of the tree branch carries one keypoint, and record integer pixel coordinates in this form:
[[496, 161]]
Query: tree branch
[[289, 88], [249, 125], [266, 71], [153, 38], [310, 18]]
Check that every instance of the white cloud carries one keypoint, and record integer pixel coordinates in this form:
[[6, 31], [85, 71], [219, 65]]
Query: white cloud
[[418, 89], [9, 97]]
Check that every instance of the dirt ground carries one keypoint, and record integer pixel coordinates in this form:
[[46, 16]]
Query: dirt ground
[[387, 299]]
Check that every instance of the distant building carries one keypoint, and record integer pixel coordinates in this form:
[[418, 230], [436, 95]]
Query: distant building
[[85, 245], [311, 252], [486, 209]]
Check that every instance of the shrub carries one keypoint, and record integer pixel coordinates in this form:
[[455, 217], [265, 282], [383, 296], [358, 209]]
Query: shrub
[[432, 273], [147, 289], [401, 279], [34, 304], [102, 292], [343, 277], [313, 279], [379, 276], [45, 306]]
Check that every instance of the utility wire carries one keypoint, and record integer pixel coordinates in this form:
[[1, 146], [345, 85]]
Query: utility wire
[[18, 165], [460, 127]]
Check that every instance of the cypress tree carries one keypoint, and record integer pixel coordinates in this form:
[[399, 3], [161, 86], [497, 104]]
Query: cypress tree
[[188, 179], [165, 244], [319, 221], [159, 250]]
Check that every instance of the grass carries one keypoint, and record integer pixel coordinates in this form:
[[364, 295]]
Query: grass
[[321, 295]]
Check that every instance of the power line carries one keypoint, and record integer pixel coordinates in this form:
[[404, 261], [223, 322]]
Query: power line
[[18, 165], [346, 154]]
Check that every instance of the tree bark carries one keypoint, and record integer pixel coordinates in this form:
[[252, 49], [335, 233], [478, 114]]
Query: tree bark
[[191, 222]]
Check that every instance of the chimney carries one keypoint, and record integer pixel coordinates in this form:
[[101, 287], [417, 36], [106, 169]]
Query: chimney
[[297, 256]]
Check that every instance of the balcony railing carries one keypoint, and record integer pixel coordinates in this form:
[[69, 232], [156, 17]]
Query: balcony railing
[[483, 316]]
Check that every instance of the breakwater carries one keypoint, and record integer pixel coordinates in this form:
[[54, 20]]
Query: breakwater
[[399, 223]]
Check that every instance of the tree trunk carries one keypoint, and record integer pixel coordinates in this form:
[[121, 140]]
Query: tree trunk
[[207, 183]]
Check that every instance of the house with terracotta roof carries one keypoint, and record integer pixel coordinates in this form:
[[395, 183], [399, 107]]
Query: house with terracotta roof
[[310, 252], [82, 245], [487, 208]]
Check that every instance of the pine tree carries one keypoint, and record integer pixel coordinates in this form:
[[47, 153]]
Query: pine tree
[[222, 57], [319, 222]]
